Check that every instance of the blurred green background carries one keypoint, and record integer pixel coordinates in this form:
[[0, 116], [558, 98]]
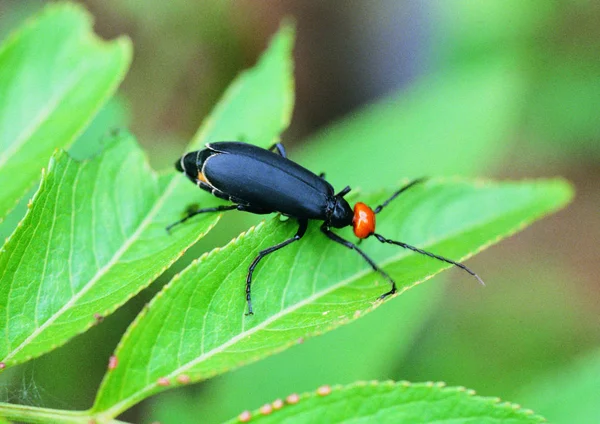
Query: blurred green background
[[505, 89]]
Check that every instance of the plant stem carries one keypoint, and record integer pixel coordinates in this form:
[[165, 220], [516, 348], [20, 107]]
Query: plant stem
[[33, 414]]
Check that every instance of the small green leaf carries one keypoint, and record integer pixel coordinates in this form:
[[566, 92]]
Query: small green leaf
[[468, 110], [55, 74], [570, 394], [197, 325], [396, 403], [95, 234]]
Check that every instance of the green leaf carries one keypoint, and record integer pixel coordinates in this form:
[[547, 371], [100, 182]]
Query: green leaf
[[391, 402], [112, 115], [315, 361], [92, 238], [469, 31], [197, 325], [569, 395], [55, 74], [467, 111], [569, 84], [95, 234]]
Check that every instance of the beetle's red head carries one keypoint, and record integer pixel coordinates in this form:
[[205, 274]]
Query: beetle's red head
[[363, 221]]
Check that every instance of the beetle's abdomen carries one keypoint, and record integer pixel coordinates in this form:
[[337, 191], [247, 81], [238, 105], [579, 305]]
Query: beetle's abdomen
[[272, 183]]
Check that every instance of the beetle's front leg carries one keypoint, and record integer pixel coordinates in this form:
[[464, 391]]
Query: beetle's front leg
[[333, 236]]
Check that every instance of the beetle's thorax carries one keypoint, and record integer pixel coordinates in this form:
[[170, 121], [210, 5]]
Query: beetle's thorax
[[341, 213]]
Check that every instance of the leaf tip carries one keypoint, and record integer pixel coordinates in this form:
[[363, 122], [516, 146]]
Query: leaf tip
[[566, 187], [287, 29], [125, 45]]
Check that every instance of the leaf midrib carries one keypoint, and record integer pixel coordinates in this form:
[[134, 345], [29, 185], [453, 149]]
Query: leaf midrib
[[43, 277], [43, 115]]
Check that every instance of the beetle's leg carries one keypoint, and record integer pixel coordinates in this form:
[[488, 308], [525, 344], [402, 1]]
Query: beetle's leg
[[199, 211], [280, 149], [242, 208], [396, 194], [302, 225], [253, 209], [322, 175], [333, 236]]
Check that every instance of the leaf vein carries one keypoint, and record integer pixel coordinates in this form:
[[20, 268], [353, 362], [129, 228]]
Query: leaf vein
[[48, 244], [43, 115]]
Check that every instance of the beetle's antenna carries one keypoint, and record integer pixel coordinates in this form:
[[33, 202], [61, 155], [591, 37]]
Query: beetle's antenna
[[431, 255], [396, 194]]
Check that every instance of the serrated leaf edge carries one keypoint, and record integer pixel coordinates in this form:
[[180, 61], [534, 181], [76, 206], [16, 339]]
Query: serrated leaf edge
[[439, 386]]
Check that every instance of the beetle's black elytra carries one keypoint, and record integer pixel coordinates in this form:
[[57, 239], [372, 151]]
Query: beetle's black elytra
[[261, 181]]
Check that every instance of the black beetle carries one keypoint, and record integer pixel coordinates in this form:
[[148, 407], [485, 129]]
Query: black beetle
[[260, 181]]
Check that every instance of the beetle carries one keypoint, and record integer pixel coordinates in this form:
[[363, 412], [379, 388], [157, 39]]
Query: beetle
[[263, 181]]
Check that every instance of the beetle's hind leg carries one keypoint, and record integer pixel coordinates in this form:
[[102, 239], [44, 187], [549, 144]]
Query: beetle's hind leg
[[199, 211], [333, 236], [302, 226], [223, 208]]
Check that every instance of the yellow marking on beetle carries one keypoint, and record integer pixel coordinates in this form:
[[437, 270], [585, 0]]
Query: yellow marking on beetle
[[202, 178]]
